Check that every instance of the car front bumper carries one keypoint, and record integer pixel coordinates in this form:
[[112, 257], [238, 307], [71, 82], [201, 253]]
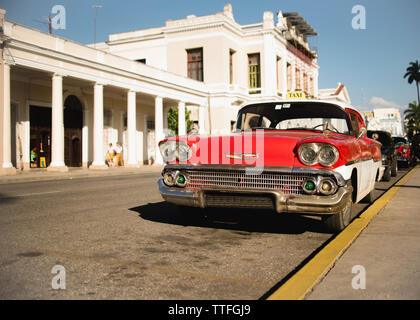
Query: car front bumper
[[267, 199]]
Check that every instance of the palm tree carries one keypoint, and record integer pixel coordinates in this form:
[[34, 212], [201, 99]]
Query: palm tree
[[413, 74], [412, 115]]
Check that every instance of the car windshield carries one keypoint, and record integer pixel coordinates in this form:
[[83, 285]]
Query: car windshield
[[399, 141], [311, 116]]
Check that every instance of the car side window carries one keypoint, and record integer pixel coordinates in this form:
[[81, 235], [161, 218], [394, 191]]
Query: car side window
[[354, 123], [360, 123]]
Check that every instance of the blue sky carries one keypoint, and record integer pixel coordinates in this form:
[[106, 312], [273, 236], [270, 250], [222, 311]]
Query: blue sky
[[370, 62]]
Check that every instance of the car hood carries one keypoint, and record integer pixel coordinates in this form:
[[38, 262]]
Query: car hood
[[255, 148]]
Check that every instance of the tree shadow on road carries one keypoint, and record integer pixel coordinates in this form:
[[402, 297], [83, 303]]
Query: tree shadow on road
[[263, 221]]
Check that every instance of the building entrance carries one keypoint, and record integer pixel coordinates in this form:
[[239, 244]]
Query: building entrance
[[73, 123], [40, 132]]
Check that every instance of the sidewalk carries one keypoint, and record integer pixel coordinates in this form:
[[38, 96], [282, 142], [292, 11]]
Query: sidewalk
[[388, 250], [74, 173]]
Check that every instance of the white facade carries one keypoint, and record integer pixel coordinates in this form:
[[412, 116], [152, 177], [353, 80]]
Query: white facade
[[386, 119], [339, 93], [286, 62], [45, 80]]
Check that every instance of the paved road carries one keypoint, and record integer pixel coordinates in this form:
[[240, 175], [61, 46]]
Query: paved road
[[117, 239]]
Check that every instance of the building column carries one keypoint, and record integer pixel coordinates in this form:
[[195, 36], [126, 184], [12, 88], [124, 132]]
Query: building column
[[57, 126], [158, 128], [85, 138], [315, 79], [131, 129], [98, 128], [270, 77], [201, 119], [6, 166], [181, 119]]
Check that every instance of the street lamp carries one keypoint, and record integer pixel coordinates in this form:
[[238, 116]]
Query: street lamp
[[96, 6]]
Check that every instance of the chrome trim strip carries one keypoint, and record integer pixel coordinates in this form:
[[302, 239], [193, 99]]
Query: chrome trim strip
[[266, 169], [359, 160], [283, 203]]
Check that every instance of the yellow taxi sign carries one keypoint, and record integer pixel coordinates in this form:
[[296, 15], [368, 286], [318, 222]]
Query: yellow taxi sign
[[296, 95]]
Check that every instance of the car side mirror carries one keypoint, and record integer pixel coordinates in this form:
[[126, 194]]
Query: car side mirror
[[362, 133]]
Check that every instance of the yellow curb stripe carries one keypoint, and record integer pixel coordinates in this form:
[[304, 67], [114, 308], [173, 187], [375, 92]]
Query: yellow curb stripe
[[309, 275]]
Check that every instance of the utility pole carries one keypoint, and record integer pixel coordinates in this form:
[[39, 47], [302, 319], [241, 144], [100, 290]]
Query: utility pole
[[94, 32]]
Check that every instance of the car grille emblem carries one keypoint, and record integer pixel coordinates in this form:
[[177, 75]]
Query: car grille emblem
[[242, 156]]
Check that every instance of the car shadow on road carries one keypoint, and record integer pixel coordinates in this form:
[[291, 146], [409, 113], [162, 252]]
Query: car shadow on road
[[263, 221], [4, 198]]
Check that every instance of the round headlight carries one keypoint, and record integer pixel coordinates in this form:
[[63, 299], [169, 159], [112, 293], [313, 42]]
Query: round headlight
[[309, 185], [308, 153], [181, 179], [168, 150], [169, 179], [327, 186], [172, 150], [328, 155], [183, 152]]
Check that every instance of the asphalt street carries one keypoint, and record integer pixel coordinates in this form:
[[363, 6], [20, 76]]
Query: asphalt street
[[117, 239]]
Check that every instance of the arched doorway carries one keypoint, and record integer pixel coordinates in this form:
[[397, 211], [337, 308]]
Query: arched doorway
[[73, 123]]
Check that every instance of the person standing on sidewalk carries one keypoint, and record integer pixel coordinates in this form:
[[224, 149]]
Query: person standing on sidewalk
[[118, 155], [110, 155]]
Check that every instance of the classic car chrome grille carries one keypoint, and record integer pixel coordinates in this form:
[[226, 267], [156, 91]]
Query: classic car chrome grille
[[215, 199], [289, 183]]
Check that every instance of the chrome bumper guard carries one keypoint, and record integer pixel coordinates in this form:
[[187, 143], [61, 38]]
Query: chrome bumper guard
[[281, 203]]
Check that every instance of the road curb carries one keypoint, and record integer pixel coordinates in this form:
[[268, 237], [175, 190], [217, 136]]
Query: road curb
[[302, 282], [23, 178]]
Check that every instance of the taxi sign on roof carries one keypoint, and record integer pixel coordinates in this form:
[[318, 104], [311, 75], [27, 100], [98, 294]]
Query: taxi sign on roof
[[296, 95]]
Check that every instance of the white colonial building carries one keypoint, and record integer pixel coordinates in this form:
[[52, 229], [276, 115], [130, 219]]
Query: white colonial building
[[68, 101], [386, 119]]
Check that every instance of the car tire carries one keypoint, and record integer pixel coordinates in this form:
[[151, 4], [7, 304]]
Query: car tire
[[387, 174], [394, 168], [340, 220], [370, 197]]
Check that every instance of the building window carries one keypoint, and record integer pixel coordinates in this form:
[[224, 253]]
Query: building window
[[107, 117], [311, 86], [254, 70], [305, 83], [231, 53], [298, 84], [289, 76], [195, 64]]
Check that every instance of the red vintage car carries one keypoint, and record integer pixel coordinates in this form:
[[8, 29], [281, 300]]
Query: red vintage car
[[404, 154], [297, 156]]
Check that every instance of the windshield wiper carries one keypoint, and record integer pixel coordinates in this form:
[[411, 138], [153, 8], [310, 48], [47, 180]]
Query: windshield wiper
[[302, 128]]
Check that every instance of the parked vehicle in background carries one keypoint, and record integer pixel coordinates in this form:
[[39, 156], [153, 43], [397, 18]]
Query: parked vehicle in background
[[404, 153], [389, 154], [292, 156], [415, 148]]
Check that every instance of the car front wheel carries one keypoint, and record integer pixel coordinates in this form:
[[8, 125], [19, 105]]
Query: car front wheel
[[387, 174], [394, 168], [340, 220]]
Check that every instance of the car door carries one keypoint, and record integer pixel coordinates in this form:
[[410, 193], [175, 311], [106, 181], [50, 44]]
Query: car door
[[369, 170], [364, 159]]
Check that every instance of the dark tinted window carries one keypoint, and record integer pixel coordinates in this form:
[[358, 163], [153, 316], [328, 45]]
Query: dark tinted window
[[293, 115]]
